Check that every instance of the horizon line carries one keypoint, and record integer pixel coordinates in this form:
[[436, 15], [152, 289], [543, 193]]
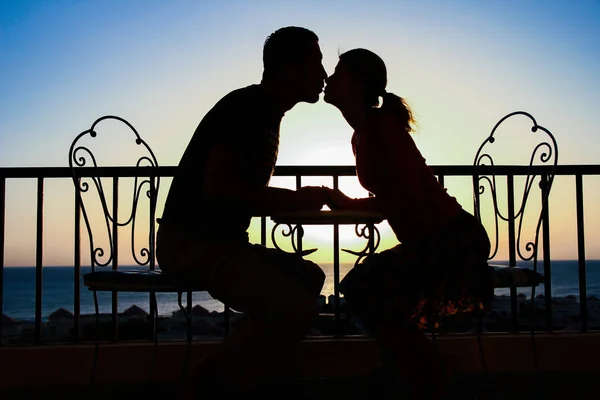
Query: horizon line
[[341, 263]]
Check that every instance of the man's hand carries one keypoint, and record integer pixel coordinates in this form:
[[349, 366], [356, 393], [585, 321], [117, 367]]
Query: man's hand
[[338, 200], [314, 197]]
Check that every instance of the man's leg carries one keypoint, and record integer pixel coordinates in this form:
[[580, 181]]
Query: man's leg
[[279, 314], [316, 277], [308, 274]]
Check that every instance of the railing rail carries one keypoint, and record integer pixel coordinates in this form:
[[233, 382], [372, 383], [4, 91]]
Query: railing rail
[[310, 170], [41, 174]]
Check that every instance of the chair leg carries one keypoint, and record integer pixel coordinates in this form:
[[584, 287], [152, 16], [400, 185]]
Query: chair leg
[[97, 341], [486, 387], [226, 316], [532, 332], [479, 333], [434, 341], [154, 313], [188, 319]]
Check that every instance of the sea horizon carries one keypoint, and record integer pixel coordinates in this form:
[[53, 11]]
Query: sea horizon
[[492, 262], [18, 294]]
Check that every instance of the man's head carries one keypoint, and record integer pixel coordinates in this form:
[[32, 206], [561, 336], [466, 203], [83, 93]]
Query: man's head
[[292, 57]]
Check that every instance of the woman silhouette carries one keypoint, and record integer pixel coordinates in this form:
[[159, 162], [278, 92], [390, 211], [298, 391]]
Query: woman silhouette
[[440, 266]]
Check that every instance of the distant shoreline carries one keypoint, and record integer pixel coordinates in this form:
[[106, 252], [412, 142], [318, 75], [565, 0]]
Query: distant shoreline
[[494, 262], [566, 310]]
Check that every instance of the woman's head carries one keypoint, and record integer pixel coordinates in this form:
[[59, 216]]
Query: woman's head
[[360, 77], [360, 74]]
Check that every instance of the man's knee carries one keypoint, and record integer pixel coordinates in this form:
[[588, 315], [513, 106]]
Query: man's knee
[[316, 277], [297, 310]]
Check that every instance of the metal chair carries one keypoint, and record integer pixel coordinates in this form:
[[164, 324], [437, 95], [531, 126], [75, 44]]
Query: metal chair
[[513, 276], [522, 245], [105, 221]]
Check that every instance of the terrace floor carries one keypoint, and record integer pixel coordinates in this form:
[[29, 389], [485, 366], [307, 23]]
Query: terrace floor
[[327, 369], [499, 386]]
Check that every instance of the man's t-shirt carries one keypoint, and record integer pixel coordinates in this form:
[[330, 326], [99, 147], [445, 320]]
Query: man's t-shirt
[[247, 120]]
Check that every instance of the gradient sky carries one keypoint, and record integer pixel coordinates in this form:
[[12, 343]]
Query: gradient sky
[[461, 65]]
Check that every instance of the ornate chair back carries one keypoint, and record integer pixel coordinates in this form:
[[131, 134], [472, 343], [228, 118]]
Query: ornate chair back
[[101, 192]]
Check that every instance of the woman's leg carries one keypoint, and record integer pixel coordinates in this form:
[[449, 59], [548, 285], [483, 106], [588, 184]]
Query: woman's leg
[[413, 357], [405, 349], [382, 293]]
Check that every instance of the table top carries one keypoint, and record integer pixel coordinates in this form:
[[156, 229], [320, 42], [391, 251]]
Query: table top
[[347, 217]]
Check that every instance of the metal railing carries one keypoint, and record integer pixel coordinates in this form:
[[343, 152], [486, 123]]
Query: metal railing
[[42, 174]]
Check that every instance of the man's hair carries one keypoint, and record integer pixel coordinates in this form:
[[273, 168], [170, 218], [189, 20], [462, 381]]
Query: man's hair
[[288, 44]]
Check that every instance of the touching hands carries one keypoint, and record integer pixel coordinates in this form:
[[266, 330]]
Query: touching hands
[[338, 200], [314, 197]]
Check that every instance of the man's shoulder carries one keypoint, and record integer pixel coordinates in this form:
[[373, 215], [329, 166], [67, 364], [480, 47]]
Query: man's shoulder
[[231, 112], [245, 96]]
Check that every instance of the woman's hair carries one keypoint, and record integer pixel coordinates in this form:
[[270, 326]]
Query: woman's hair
[[368, 67]]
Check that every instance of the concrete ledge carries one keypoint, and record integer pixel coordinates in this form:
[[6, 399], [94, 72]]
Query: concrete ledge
[[131, 362]]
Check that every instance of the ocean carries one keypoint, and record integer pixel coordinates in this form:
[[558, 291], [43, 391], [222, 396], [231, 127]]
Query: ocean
[[18, 295]]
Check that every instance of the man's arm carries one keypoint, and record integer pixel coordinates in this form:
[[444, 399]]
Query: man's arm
[[223, 181], [339, 201]]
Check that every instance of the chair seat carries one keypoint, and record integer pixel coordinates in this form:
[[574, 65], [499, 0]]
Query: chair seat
[[506, 277], [136, 281]]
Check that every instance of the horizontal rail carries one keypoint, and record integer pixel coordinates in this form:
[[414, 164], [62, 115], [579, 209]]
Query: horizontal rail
[[316, 170]]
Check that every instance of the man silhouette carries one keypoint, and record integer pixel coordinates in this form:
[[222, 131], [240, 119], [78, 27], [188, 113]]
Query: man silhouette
[[220, 183]]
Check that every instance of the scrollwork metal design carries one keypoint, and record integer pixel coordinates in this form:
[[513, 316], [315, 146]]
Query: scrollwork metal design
[[78, 161], [547, 153], [295, 233], [372, 241]]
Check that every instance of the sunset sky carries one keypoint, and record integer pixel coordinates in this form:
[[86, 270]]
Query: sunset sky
[[162, 65]]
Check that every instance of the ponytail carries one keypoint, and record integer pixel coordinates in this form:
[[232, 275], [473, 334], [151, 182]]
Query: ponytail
[[396, 105]]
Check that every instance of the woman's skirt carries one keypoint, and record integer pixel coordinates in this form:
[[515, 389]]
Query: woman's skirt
[[424, 281]]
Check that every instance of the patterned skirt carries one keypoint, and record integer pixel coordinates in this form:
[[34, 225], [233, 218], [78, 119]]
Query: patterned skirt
[[424, 281]]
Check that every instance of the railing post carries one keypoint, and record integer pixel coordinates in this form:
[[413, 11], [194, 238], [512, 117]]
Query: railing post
[[544, 183], [300, 230], [115, 254], [2, 229], [476, 199], [263, 231], [336, 271], [152, 254], [152, 222], [77, 267], [39, 251], [189, 302], [581, 253], [512, 253]]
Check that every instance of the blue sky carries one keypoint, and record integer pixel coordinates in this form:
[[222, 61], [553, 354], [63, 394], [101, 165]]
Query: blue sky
[[162, 64]]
